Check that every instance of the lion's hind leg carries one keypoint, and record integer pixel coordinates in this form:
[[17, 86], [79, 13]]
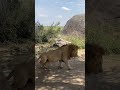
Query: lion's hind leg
[[67, 64], [43, 62], [44, 65]]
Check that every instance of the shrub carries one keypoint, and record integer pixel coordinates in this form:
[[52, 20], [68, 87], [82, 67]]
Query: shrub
[[104, 36], [45, 34], [75, 40]]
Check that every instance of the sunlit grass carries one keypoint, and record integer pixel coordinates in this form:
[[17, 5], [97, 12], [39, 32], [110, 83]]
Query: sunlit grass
[[75, 40]]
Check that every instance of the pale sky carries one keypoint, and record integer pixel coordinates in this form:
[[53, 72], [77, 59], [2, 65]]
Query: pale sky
[[49, 11]]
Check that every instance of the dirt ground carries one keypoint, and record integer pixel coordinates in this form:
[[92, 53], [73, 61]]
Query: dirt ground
[[109, 79], [62, 79], [55, 79]]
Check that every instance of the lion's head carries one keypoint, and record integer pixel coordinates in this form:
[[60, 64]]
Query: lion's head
[[73, 50]]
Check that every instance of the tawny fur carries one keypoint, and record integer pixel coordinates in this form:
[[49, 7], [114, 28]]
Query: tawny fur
[[62, 54], [21, 74]]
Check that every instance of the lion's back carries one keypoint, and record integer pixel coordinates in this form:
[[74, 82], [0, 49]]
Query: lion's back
[[54, 55]]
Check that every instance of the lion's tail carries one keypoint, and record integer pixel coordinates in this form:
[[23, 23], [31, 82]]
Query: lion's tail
[[10, 75]]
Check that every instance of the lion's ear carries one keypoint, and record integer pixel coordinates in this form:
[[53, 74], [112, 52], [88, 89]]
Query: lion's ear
[[70, 48], [78, 47]]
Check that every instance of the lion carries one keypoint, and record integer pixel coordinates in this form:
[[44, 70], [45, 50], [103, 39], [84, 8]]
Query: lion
[[62, 54], [93, 58], [4, 85], [22, 73]]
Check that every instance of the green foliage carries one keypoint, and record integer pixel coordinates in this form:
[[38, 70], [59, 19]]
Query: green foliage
[[103, 35], [75, 40], [16, 20], [47, 33]]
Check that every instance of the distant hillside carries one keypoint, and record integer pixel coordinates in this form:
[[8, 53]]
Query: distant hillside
[[75, 26]]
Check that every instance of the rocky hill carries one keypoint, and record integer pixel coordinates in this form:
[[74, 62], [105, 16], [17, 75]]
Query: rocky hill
[[75, 26], [103, 14]]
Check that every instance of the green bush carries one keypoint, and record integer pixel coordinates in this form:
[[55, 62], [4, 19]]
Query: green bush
[[45, 34], [75, 40], [103, 36], [16, 20]]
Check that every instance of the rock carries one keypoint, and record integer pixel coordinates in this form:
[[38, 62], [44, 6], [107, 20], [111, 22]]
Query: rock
[[75, 26], [101, 13], [102, 22], [60, 42]]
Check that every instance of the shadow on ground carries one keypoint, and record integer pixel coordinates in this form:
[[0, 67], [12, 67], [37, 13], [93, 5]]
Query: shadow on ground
[[61, 79]]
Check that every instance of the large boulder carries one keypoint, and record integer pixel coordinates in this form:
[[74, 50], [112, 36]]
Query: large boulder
[[103, 14], [109, 8], [102, 23], [75, 26], [60, 42]]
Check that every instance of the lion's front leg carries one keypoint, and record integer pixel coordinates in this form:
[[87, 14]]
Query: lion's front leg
[[67, 64], [60, 65]]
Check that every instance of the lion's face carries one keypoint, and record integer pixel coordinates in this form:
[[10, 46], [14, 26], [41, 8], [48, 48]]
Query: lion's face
[[73, 51]]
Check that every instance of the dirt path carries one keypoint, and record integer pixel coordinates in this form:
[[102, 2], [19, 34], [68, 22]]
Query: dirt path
[[75, 79], [62, 79], [109, 79]]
